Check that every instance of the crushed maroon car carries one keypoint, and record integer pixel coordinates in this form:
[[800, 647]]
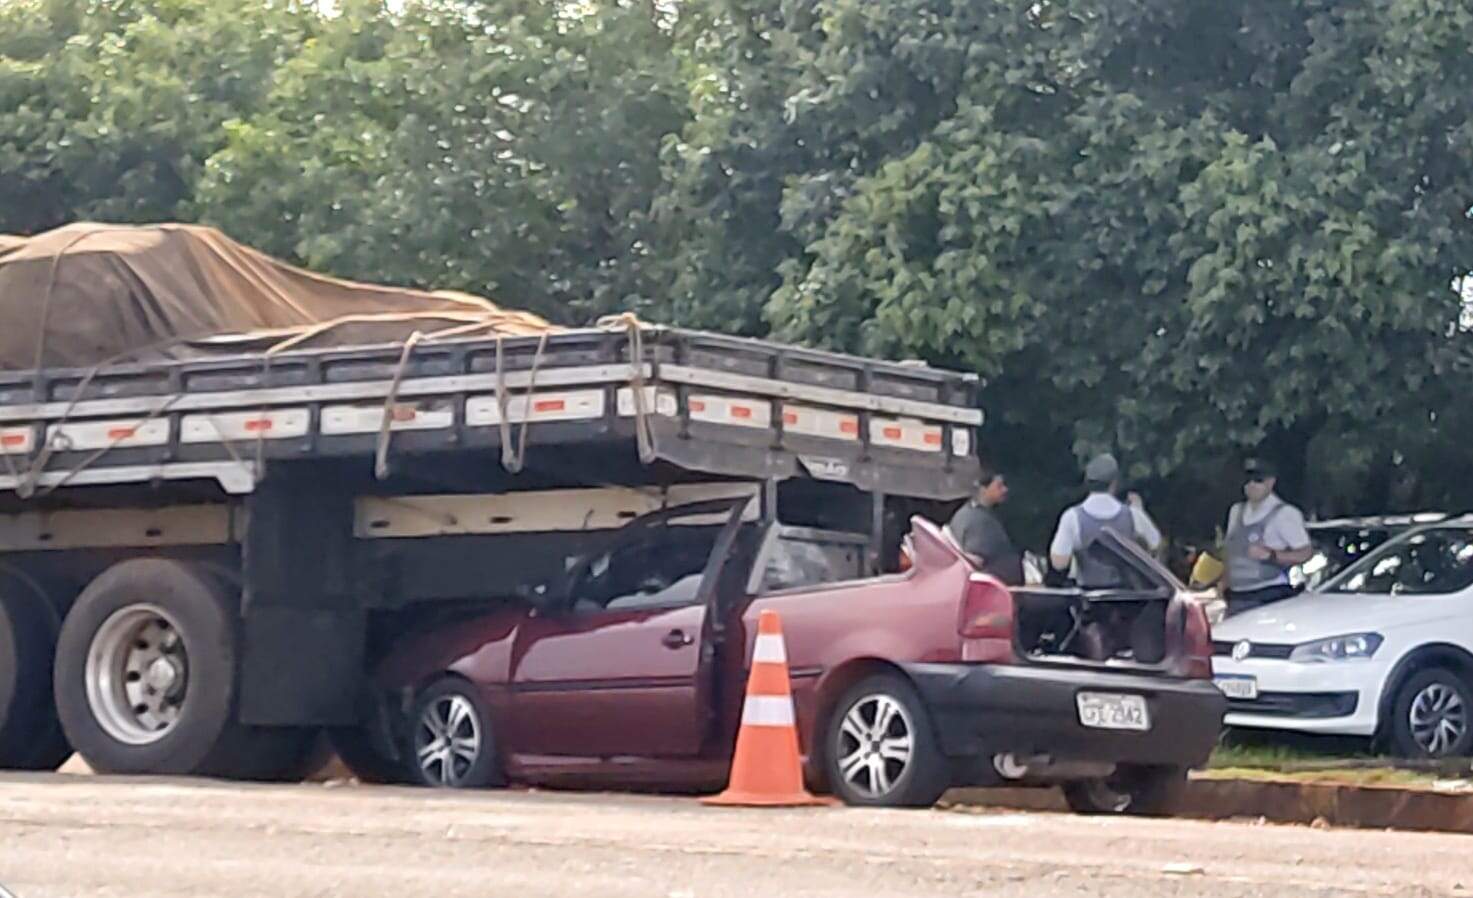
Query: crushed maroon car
[[628, 672]]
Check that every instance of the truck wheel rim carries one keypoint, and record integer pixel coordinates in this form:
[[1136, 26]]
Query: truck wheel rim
[[876, 744], [137, 675], [1439, 719], [447, 741]]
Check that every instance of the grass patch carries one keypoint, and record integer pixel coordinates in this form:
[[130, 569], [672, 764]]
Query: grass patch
[[1373, 776], [1280, 757], [1313, 759]]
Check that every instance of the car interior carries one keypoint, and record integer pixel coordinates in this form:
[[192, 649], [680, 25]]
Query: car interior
[[662, 567], [1429, 562], [1126, 622]]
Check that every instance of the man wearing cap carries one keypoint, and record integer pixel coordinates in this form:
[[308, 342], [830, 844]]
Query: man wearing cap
[[1265, 538], [978, 531], [1080, 526]]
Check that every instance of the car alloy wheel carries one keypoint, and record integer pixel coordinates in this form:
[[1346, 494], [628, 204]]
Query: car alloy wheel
[[1439, 718], [879, 746], [877, 743], [447, 740]]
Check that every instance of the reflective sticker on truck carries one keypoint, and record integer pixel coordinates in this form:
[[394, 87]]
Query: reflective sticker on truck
[[736, 411], [571, 405], [819, 422], [905, 433], [17, 440], [277, 424], [123, 434], [369, 417]]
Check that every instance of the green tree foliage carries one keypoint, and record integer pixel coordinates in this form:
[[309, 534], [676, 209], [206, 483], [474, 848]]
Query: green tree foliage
[[510, 149], [108, 108], [1183, 231]]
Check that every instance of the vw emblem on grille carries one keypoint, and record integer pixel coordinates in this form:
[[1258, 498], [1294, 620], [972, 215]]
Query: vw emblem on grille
[[1242, 650]]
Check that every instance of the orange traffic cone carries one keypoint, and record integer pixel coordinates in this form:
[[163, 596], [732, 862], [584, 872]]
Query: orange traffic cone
[[766, 770]]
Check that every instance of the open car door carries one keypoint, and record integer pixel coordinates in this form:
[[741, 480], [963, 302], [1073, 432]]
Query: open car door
[[620, 660]]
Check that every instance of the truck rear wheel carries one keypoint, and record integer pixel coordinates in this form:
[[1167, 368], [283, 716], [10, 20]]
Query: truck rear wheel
[[30, 731], [268, 754], [146, 673]]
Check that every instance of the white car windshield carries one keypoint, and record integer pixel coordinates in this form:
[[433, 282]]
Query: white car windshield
[[1431, 561]]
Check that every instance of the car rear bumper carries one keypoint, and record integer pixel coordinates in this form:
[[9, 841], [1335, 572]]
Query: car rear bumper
[[984, 710]]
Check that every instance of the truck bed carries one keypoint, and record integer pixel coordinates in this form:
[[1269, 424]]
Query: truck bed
[[697, 401]]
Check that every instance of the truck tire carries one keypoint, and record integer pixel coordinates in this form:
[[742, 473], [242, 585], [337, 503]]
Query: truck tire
[[146, 672], [450, 741], [1130, 791], [881, 750], [265, 755], [30, 731]]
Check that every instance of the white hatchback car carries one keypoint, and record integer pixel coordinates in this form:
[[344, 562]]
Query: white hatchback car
[[1385, 649]]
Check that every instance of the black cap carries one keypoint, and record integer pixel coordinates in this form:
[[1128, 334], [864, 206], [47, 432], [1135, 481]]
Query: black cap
[[1260, 468]]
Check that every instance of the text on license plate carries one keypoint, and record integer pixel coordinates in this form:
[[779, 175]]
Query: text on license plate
[[1245, 688], [1109, 711]]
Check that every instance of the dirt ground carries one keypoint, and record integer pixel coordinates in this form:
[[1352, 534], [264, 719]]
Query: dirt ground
[[90, 837]]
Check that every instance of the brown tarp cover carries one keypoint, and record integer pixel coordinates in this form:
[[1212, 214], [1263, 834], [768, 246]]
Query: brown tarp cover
[[87, 293]]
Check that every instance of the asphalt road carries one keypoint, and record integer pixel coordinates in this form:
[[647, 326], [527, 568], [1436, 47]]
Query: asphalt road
[[90, 837]]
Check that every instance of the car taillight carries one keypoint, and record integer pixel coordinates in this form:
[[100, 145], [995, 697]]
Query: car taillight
[[1197, 642], [986, 621]]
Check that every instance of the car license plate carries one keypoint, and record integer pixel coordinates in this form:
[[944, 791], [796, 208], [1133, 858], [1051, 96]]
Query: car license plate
[[1241, 688], [1108, 711]]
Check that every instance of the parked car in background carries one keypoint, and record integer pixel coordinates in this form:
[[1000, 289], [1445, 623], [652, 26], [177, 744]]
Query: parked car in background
[[1384, 649], [1340, 542], [630, 671]]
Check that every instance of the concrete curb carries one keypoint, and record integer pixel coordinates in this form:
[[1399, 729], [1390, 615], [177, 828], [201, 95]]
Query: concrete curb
[[1278, 801]]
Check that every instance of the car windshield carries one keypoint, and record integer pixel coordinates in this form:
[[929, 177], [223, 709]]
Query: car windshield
[[1432, 561], [1336, 549]]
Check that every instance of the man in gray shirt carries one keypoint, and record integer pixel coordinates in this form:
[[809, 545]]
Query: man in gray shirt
[[1265, 538], [1081, 525], [978, 531]]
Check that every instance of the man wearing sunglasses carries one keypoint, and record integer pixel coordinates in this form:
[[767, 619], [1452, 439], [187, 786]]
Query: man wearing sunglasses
[[1265, 538]]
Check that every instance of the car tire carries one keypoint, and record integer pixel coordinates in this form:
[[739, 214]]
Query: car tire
[[449, 741], [1432, 715], [1130, 791], [355, 747], [30, 730], [880, 709], [186, 620]]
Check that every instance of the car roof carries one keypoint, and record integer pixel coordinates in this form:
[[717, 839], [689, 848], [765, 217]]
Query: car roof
[[1387, 521]]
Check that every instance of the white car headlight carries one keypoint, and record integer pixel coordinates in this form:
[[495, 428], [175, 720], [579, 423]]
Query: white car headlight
[[1355, 647]]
